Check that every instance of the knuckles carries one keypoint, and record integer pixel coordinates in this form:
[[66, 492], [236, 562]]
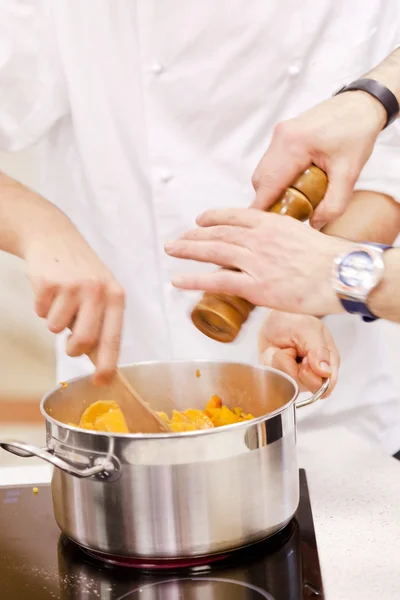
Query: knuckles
[[116, 294], [80, 343], [94, 287]]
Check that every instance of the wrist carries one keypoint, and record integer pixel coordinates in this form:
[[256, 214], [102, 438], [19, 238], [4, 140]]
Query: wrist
[[382, 93], [324, 300], [46, 222], [369, 108]]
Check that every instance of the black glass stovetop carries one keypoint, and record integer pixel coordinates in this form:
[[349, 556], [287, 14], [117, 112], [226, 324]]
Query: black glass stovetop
[[38, 563]]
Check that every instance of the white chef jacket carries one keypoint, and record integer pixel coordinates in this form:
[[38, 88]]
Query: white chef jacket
[[151, 111]]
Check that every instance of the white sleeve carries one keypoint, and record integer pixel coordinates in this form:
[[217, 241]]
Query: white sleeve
[[381, 173], [32, 93]]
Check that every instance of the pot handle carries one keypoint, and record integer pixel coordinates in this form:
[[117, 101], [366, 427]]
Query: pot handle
[[317, 396], [102, 467]]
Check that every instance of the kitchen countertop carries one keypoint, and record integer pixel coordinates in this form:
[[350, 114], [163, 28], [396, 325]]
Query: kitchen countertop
[[355, 495], [25, 474]]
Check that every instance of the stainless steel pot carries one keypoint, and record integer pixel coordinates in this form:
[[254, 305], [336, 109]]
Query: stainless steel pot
[[175, 495]]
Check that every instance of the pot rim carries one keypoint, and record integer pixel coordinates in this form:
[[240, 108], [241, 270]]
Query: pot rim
[[181, 434]]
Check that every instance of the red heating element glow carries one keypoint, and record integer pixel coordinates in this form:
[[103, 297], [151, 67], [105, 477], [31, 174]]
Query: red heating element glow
[[157, 564]]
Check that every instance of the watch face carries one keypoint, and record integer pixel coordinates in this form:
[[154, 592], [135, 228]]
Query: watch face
[[357, 270]]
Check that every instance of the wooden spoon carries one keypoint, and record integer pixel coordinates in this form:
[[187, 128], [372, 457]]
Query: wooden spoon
[[139, 417]]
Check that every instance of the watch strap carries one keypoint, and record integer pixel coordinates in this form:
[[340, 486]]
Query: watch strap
[[357, 307], [379, 92]]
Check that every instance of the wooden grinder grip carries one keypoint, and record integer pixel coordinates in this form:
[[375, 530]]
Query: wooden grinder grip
[[220, 317]]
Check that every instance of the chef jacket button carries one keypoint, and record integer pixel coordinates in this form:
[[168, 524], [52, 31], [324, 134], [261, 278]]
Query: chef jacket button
[[157, 69], [293, 70], [166, 176]]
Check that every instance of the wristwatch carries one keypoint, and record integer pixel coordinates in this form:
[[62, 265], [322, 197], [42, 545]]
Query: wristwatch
[[379, 92], [356, 273]]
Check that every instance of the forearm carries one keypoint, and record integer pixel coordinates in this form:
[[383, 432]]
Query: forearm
[[370, 217], [384, 301], [388, 73], [25, 214]]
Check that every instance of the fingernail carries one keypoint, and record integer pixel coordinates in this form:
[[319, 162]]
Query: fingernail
[[168, 246], [325, 367]]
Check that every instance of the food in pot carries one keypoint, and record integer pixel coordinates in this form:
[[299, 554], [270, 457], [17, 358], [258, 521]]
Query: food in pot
[[105, 415]]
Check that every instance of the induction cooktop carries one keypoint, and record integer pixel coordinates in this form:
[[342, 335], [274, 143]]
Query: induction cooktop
[[38, 563]]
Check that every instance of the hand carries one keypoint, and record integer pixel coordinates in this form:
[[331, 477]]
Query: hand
[[73, 288], [282, 263], [337, 135], [284, 338]]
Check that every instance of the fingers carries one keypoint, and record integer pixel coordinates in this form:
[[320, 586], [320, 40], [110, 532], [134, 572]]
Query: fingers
[[340, 189], [93, 310], [241, 217], [44, 297], [110, 340], [223, 282], [221, 233], [321, 358], [286, 338], [218, 253], [285, 159], [87, 325], [98, 326], [318, 353], [321, 364], [308, 379], [287, 361], [62, 310]]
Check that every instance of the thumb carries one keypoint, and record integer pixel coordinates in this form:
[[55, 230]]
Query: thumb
[[337, 197], [319, 361], [276, 171], [313, 341]]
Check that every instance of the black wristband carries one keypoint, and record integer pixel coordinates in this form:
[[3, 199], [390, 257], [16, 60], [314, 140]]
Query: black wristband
[[379, 92]]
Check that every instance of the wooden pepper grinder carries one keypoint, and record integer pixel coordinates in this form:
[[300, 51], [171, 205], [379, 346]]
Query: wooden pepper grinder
[[221, 317]]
